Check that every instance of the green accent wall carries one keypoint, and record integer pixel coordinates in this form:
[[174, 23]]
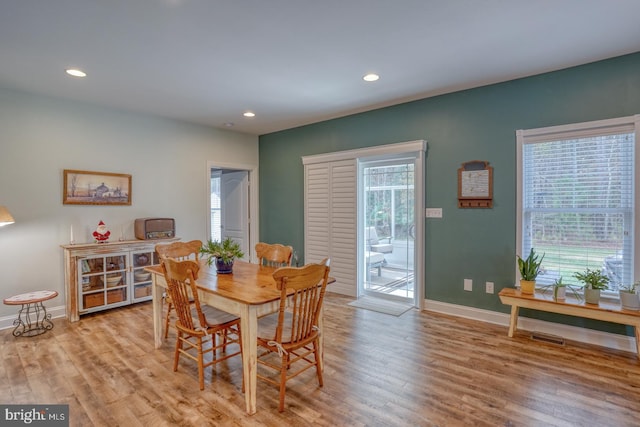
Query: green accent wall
[[475, 124]]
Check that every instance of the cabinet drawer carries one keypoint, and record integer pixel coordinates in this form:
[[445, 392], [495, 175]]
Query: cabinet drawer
[[92, 300], [142, 291], [116, 295]]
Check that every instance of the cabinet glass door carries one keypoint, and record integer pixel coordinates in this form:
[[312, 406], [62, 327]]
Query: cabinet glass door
[[141, 277], [104, 282]]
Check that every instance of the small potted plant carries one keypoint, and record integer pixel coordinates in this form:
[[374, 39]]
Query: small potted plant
[[224, 253], [594, 282], [560, 290], [629, 299], [529, 269]]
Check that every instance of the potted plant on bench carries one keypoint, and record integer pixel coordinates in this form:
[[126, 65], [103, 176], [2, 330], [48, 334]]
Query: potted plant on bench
[[560, 290], [529, 269], [594, 282], [629, 299]]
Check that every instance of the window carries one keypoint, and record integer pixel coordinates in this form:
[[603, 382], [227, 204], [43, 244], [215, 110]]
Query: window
[[576, 199], [215, 206]]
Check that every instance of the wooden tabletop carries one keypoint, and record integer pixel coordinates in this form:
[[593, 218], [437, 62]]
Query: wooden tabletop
[[249, 283]]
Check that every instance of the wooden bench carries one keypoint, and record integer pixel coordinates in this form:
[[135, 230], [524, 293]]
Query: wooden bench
[[605, 311]]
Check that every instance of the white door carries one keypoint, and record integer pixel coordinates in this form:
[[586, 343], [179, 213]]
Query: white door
[[234, 188]]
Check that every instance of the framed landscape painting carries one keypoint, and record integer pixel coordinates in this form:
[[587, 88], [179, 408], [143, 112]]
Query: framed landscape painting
[[96, 188]]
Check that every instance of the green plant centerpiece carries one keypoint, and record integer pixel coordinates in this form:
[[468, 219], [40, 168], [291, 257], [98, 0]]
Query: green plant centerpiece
[[223, 253], [529, 269], [594, 281], [629, 298]]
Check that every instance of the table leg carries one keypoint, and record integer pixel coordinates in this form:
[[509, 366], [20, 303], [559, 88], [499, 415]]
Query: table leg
[[513, 322], [249, 330], [637, 331], [26, 325], [156, 301]]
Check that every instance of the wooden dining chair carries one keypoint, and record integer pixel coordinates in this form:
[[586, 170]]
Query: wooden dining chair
[[294, 335], [178, 251], [198, 325], [275, 255]]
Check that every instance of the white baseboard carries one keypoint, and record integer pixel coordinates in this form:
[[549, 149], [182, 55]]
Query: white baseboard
[[573, 333], [6, 322]]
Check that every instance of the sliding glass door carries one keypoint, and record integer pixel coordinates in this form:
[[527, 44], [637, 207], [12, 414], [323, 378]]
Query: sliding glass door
[[387, 226]]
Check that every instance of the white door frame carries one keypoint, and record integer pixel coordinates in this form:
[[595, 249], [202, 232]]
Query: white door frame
[[418, 147], [387, 153], [254, 231]]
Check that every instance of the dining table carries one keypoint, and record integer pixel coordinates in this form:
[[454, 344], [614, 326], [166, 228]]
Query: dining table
[[249, 292]]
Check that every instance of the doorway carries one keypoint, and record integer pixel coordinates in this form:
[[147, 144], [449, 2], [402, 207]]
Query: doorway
[[387, 226], [230, 207]]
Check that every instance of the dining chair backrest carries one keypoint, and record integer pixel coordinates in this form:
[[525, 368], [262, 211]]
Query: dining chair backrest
[[181, 286], [308, 284], [180, 250], [275, 255]]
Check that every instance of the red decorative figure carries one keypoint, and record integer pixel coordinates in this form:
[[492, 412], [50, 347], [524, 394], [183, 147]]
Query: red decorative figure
[[101, 234]]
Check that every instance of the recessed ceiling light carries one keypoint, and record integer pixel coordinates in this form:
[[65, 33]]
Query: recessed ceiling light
[[370, 77], [75, 72], [229, 124], [249, 114]]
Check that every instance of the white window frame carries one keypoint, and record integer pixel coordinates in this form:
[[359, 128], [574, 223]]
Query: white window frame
[[629, 124]]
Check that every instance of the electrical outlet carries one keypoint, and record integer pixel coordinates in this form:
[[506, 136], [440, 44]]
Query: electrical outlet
[[468, 284], [489, 286], [433, 212]]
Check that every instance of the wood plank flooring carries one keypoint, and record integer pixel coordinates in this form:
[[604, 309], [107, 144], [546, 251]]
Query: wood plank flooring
[[420, 369]]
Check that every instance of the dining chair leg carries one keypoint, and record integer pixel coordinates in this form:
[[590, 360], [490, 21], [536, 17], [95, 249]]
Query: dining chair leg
[[223, 336], [283, 380], [201, 362], [316, 353], [167, 320], [176, 356]]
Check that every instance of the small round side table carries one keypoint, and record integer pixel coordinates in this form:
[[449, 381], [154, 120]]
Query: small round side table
[[32, 318]]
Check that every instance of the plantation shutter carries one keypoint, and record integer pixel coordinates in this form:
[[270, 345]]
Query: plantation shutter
[[578, 201], [331, 221]]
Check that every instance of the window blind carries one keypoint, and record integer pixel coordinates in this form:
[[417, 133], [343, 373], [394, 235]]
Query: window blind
[[578, 203]]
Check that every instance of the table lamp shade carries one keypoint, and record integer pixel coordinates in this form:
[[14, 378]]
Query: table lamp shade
[[5, 217]]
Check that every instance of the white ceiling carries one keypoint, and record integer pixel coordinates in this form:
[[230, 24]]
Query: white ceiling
[[295, 62]]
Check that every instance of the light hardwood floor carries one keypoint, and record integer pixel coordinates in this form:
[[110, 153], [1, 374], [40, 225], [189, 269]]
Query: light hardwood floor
[[420, 369]]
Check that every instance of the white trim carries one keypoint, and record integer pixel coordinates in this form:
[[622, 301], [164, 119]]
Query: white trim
[[417, 157], [596, 127], [379, 150], [254, 226], [573, 333]]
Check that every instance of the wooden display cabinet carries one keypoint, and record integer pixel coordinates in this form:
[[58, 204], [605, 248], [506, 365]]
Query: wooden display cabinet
[[100, 276]]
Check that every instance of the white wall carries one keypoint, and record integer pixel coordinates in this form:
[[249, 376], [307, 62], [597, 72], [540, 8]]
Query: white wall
[[41, 136]]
